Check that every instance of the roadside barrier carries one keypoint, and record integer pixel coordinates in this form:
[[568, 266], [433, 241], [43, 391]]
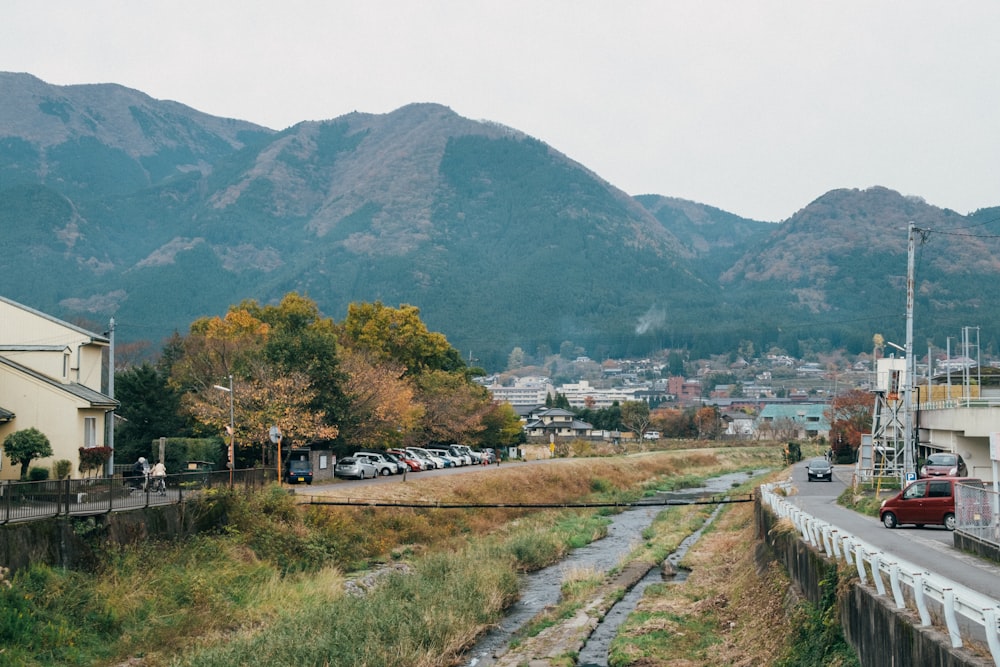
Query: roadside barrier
[[909, 584]]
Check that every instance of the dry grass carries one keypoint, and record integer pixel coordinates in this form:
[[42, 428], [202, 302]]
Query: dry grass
[[730, 611]]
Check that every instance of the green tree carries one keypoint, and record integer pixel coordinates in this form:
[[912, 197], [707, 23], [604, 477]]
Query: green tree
[[150, 409], [675, 364], [501, 427], [23, 446], [301, 340]]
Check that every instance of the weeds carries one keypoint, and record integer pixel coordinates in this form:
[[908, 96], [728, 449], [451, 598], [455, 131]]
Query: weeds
[[267, 588]]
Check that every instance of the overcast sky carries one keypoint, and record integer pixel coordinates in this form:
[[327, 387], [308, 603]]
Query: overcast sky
[[756, 107]]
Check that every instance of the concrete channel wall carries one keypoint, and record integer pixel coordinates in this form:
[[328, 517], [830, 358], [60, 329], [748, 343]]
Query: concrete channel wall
[[73, 542], [879, 634]]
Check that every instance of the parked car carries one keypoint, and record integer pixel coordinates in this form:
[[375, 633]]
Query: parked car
[[383, 465], [459, 457], [354, 467], [432, 462], [299, 470], [944, 464], [404, 466], [442, 454], [925, 501], [819, 469], [490, 454], [477, 457], [415, 464]]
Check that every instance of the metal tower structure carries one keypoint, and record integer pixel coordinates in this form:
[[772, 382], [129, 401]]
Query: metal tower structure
[[892, 449]]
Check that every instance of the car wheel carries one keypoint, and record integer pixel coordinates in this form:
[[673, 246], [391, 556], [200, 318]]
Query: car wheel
[[385, 472], [949, 521], [889, 520]]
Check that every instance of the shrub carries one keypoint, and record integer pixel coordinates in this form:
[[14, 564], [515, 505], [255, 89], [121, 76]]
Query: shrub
[[94, 458], [37, 474], [62, 468]]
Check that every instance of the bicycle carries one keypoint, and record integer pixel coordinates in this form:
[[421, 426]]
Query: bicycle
[[159, 485]]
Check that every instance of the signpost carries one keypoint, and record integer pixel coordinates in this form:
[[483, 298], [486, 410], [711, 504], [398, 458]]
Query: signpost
[[275, 434]]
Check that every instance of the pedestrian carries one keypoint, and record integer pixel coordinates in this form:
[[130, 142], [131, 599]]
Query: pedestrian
[[138, 474]]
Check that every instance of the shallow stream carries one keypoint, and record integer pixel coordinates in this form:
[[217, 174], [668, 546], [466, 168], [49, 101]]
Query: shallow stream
[[542, 588]]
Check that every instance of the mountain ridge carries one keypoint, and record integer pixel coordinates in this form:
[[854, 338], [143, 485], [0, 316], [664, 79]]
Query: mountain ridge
[[501, 240]]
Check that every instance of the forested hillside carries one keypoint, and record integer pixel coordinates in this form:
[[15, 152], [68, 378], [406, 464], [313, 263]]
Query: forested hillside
[[116, 204]]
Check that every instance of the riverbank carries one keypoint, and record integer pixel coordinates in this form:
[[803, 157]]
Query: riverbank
[[270, 587]]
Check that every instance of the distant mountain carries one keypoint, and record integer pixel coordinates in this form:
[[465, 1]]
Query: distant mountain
[[113, 203]]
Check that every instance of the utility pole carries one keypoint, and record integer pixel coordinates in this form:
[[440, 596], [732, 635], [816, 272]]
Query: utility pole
[[908, 435], [109, 429]]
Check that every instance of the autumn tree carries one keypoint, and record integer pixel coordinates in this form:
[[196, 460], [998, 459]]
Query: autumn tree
[[708, 422], [674, 422], [381, 402], [850, 416], [281, 359], [454, 408], [395, 339], [399, 335]]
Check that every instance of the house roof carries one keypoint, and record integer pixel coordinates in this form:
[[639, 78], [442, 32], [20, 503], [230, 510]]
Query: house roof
[[94, 338], [95, 398], [799, 413], [576, 425], [556, 412]]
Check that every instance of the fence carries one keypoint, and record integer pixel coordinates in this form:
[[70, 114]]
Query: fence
[[976, 512], [910, 585], [29, 501]]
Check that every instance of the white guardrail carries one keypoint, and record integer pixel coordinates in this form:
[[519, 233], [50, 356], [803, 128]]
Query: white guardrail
[[955, 599]]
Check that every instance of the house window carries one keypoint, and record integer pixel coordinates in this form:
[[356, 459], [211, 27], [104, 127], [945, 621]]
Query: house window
[[90, 432], [66, 365]]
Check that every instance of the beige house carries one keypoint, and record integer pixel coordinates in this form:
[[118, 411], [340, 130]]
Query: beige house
[[50, 379]]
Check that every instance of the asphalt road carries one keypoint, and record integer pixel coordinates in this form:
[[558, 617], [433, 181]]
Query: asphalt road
[[930, 547]]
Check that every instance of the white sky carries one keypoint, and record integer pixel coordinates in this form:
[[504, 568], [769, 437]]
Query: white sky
[[756, 107]]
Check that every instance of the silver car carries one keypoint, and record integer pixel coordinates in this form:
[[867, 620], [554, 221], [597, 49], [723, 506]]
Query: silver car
[[354, 468]]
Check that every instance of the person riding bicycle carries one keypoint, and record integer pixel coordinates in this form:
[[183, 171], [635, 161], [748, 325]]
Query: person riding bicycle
[[158, 475]]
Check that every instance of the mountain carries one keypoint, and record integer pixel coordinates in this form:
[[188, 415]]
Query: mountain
[[116, 204]]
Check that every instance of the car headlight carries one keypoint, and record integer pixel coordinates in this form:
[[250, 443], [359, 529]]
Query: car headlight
[[952, 472], [883, 503]]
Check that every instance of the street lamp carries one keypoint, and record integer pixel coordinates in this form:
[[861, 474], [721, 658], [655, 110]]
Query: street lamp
[[232, 426]]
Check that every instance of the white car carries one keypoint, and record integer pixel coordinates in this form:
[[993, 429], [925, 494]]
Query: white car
[[451, 460], [423, 454], [383, 465]]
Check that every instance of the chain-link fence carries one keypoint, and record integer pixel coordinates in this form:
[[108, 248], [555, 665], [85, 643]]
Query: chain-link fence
[[976, 511]]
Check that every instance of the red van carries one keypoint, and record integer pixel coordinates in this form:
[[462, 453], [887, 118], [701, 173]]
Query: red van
[[926, 501]]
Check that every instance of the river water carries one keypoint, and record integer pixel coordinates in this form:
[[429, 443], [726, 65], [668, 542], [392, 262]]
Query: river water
[[542, 588]]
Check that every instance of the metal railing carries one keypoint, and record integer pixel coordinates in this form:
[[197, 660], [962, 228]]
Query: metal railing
[[910, 585], [31, 501]]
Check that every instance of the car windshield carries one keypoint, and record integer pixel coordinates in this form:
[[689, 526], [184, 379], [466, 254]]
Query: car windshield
[[300, 465], [942, 460], [819, 463], [347, 462]]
